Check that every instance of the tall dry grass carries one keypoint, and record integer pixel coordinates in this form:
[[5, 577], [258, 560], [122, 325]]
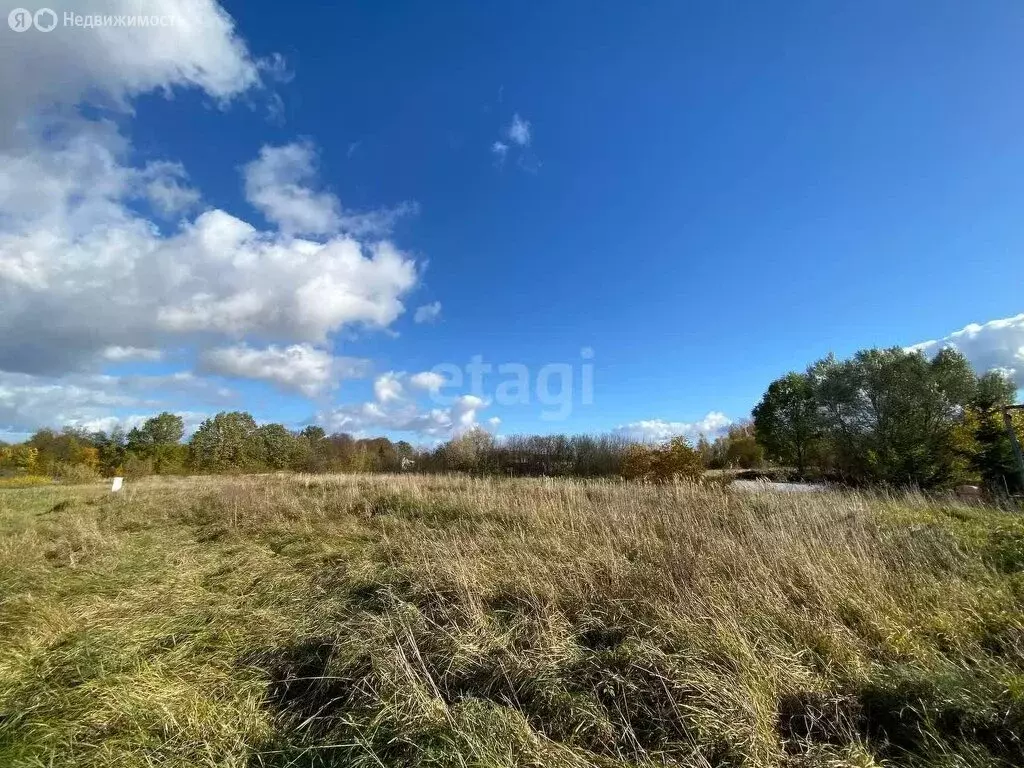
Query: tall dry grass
[[368, 621]]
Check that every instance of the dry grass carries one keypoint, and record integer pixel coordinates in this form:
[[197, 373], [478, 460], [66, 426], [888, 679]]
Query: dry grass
[[396, 621]]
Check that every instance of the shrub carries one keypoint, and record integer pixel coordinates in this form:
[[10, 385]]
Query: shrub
[[675, 460], [75, 473]]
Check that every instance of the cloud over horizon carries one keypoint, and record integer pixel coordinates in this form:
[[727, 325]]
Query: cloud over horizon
[[994, 345]]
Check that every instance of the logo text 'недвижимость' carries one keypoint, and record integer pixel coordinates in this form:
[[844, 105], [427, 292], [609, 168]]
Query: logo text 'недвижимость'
[[46, 20]]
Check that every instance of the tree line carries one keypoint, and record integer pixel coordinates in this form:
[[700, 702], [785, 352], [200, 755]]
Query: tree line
[[892, 417], [889, 417], [232, 442]]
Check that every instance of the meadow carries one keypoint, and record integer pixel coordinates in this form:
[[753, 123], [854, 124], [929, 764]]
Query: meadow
[[374, 620]]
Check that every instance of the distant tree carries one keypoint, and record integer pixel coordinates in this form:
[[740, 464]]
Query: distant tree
[[313, 433], [741, 447], [992, 455], [469, 452], [893, 413], [24, 458], [787, 421], [157, 444], [112, 449], [226, 442], [639, 462], [678, 461], [276, 446], [163, 429], [888, 416], [378, 454]]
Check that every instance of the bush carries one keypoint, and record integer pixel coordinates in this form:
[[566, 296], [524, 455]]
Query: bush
[[675, 460], [75, 473], [134, 466]]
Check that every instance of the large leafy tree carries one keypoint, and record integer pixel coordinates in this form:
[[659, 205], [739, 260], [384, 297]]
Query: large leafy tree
[[228, 441], [787, 420], [277, 446], [156, 445], [885, 415]]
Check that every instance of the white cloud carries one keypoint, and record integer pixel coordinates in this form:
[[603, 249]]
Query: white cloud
[[388, 387], [997, 344], [655, 430], [80, 271], [404, 416], [190, 419], [394, 410], [117, 354], [519, 131], [88, 277], [429, 381], [516, 138], [280, 183], [165, 186], [428, 313], [111, 65], [83, 271], [299, 367], [29, 402]]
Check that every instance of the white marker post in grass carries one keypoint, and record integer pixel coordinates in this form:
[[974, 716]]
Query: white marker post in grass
[[118, 482]]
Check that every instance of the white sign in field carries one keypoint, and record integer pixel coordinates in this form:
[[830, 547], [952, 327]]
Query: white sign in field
[[118, 482]]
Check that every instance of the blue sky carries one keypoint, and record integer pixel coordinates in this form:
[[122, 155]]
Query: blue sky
[[706, 195]]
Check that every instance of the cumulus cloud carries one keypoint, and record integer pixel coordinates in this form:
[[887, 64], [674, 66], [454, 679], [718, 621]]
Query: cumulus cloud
[[429, 381], [997, 344], [86, 276], [84, 400], [388, 387], [80, 271], [190, 419], [299, 367], [165, 186], [656, 430], [278, 183], [110, 65], [393, 409], [404, 416], [281, 184], [428, 313]]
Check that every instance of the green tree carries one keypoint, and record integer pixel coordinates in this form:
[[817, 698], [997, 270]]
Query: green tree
[[227, 442], [787, 421], [993, 457], [891, 415], [157, 444], [112, 449], [277, 446]]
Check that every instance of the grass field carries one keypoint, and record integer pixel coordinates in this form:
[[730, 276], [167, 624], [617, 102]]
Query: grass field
[[407, 621]]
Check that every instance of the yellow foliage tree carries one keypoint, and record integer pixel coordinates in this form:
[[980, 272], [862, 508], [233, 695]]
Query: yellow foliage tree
[[674, 460], [89, 457], [25, 458]]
